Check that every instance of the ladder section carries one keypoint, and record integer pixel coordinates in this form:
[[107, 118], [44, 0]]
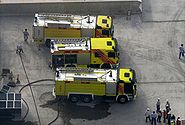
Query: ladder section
[[70, 41], [86, 74], [70, 44], [55, 16], [75, 70]]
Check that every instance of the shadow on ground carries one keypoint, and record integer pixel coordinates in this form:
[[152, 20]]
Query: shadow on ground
[[68, 111], [11, 122]]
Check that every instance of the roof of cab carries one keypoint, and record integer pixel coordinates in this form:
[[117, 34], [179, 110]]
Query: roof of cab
[[126, 75], [103, 43], [104, 21]]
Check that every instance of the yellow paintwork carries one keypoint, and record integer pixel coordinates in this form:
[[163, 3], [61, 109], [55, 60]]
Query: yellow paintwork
[[82, 66], [62, 88], [95, 60], [121, 85], [59, 88], [98, 60], [101, 43], [60, 45], [104, 25], [100, 25], [59, 33], [122, 75]]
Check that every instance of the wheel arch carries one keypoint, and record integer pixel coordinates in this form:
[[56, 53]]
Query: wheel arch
[[124, 95], [111, 66]]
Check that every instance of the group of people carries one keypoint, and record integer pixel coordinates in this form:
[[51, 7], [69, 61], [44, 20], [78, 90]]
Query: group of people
[[20, 46], [156, 116]]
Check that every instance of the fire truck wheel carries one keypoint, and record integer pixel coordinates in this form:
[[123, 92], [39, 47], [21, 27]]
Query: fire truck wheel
[[106, 66], [73, 98], [47, 43], [86, 98], [71, 65], [122, 99], [58, 98]]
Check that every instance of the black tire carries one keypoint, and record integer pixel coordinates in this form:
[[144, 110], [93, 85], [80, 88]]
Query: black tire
[[48, 43], [122, 99], [86, 98], [106, 66], [58, 98], [70, 66], [74, 98]]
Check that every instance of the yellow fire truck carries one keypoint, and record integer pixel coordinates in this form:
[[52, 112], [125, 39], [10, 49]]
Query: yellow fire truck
[[84, 52], [87, 84], [47, 26]]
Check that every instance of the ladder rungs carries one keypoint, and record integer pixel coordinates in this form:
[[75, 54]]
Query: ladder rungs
[[54, 15], [76, 70], [70, 41]]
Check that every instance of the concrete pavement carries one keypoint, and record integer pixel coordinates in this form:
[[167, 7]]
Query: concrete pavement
[[151, 48], [118, 7], [58, 1]]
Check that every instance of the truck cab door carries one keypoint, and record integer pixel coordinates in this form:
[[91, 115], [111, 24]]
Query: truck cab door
[[111, 89]]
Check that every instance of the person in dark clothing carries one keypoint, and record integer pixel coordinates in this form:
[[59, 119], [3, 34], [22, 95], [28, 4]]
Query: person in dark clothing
[[158, 104], [178, 122], [167, 106], [164, 116], [181, 51], [19, 49], [159, 115], [169, 117], [173, 118], [153, 118], [26, 35]]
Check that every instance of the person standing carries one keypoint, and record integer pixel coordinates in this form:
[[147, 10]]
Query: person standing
[[26, 35], [167, 106], [181, 51], [172, 123], [159, 115], [169, 117], [178, 122], [173, 118], [154, 118], [158, 104], [19, 49], [18, 81], [147, 114], [164, 116]]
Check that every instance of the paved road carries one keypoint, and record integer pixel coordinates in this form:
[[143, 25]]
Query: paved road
[[78, 7], [42, 1]]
